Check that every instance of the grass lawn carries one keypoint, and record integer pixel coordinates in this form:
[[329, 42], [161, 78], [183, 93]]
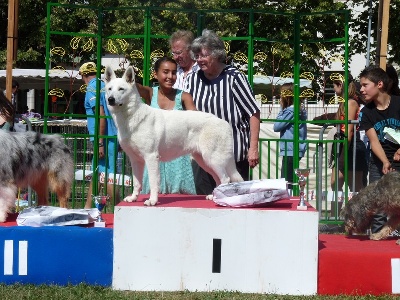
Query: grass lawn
[[86, 292]]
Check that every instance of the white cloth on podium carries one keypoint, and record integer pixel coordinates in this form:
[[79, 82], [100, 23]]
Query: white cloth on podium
[[55, 216], [250, 193]]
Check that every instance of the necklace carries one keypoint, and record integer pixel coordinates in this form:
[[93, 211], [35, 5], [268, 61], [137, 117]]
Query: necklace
[[166, 101], [387, 104], [384, 106]]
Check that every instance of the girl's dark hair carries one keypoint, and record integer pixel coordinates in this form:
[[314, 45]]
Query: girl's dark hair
[[351, 92], [161, 60], [6, 108]]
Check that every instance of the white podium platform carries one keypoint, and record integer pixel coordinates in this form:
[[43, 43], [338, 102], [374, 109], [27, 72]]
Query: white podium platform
[[187, 243]]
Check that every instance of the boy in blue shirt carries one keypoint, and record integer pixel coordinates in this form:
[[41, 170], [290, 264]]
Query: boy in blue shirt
[[106, 127]]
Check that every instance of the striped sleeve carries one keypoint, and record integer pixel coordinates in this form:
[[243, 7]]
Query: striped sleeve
[[244, 96], [230, 98]]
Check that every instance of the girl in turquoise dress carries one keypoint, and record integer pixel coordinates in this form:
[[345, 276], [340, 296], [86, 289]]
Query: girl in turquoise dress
[[176, 176]]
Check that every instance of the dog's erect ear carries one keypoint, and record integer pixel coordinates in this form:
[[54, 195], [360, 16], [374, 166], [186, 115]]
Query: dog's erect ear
[[129, 75], [109, 74]]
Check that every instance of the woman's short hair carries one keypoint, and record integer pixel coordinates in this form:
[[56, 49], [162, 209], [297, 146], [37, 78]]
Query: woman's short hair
[[212, 42]]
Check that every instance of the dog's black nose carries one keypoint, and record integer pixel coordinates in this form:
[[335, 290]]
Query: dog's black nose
[[111, 101]]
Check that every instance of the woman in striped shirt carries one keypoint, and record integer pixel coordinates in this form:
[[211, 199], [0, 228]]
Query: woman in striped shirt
[[224, 91]]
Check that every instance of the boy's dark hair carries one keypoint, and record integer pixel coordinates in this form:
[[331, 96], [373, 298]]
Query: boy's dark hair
[[375, 74]]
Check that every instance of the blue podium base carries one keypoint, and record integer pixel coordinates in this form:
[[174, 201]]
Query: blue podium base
[[56, 255]]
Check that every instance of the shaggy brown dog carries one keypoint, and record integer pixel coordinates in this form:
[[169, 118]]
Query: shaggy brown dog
[[41, 161], [382, 196]]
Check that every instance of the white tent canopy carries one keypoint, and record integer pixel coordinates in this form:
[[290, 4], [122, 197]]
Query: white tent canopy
[[263, 79], [35, 78], [60, 78], [54, 73]]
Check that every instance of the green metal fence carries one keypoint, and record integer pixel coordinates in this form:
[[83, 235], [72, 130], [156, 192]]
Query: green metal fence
[[139, 35]]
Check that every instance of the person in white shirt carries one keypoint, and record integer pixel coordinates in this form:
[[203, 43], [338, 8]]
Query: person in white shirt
[[180, 42]]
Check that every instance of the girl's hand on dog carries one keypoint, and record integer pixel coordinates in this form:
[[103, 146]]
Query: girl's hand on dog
[[387, 167], [397, 155]]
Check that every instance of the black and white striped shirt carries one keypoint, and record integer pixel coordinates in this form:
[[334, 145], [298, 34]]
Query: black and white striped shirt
[[181, 77], [229, 97]]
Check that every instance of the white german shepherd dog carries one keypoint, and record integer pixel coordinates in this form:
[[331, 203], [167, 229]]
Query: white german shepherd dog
[[149, 135]]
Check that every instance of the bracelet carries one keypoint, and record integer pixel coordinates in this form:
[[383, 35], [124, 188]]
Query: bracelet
[[101, 144]]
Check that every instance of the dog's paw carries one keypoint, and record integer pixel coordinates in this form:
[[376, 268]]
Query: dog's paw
[[3, 217], [151, 202], [398, 242], [131, 198], [375, 236], [209, 197], [381, 235]]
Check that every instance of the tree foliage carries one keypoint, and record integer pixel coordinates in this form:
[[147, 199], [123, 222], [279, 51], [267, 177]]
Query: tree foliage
[[359, 24], [273, 48], [32, 30]]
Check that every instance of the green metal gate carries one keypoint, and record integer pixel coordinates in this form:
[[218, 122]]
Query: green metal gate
[[139, 35]]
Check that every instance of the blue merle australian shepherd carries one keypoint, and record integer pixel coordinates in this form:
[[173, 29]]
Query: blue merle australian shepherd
[[41, 161]]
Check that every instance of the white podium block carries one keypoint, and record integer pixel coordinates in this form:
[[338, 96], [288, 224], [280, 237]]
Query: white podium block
[[190, 244]]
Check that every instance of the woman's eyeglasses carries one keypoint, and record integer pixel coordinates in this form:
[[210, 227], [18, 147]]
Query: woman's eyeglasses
[[201, 56]]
